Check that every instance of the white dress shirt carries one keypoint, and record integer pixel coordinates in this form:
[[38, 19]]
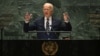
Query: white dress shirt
[[50, 22]]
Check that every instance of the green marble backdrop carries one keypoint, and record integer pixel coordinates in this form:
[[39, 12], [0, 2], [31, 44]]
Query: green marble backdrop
[[12, 12]]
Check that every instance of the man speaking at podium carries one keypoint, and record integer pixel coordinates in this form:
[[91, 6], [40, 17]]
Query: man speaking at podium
[[47, 23]]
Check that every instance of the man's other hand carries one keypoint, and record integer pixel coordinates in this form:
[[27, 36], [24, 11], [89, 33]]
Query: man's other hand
[[27, 16], [66, 16]]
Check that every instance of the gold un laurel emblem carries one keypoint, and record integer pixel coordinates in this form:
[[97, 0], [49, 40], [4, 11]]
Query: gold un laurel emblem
[[49, 48]]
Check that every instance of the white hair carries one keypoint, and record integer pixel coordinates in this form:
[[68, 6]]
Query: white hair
[[49, 4]]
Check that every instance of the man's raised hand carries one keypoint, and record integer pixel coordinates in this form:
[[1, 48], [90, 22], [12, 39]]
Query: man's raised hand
[[66, 16], [27, 16]]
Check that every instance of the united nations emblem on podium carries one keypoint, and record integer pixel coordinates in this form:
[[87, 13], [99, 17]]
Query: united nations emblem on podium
[[49, 47]]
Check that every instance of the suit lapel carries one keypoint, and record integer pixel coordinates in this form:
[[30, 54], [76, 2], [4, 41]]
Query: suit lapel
[[42, 23], [53, 21]]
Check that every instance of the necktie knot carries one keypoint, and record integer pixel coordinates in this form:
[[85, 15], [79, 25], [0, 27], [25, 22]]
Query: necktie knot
[[47, 19]]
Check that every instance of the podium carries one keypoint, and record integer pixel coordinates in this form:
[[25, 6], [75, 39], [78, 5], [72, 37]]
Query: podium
[[64, 34]]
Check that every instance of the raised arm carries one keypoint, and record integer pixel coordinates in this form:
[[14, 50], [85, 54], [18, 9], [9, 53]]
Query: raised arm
[[27, 27], [66, 26]]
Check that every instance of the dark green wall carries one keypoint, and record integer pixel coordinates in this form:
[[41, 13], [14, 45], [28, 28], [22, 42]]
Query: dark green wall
[[12, 12]]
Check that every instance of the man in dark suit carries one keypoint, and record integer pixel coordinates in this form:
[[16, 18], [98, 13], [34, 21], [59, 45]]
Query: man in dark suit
[[47, 23]]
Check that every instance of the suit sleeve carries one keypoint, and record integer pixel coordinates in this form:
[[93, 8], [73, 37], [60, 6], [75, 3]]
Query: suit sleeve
[[66, 26], [27, 27]]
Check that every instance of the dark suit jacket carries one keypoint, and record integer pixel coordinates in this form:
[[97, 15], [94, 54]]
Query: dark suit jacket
[[57, 25]]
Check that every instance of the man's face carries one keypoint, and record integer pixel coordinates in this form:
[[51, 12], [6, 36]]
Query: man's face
[[47, 10]]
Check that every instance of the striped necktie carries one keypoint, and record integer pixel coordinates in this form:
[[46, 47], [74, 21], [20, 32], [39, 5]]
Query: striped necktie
[[47, 25]]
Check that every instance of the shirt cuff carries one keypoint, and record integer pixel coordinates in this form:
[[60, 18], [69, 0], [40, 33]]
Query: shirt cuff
[[26, 21], [66, 21]]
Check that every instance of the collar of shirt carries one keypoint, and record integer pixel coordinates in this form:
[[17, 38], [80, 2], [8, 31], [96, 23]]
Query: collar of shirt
[[50, 22]]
